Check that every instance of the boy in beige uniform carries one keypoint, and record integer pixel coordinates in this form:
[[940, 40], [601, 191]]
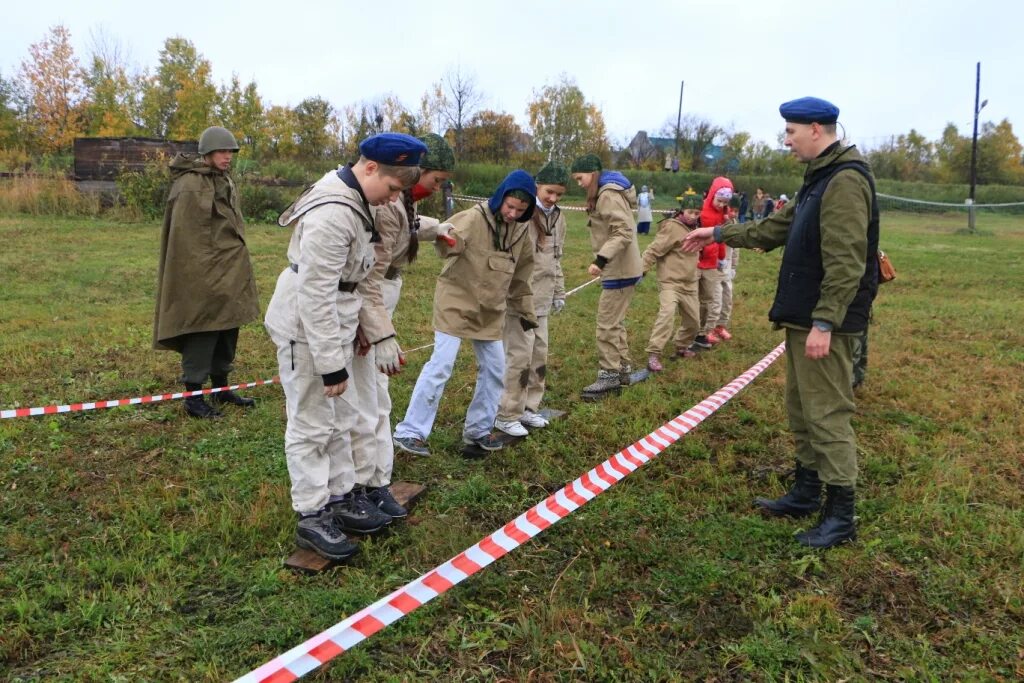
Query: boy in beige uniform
[[312, 319], [526, 351], [677, 283]]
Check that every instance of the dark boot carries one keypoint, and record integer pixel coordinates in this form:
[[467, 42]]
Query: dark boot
[[228, 396], [802, 500], [382, 498], [837, 525], [321, 534], [355, 514], [196, 406]]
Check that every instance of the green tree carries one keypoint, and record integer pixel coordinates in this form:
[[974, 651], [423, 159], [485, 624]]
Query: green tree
[[52, 81], [316, 129], [179, 100], [280, 130], [240, 110], [563, 124], [10, 127], [112, 94]]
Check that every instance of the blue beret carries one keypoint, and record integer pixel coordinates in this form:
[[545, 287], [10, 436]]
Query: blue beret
[[809, 110], [394, 149]]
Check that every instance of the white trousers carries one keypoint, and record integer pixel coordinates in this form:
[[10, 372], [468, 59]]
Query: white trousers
[[373, 451], [426, 396], [318, 438]]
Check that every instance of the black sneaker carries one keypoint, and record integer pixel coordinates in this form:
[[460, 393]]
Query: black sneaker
[[487, 442], [321, 534], [196, 406], [411, 444], [355, 514], [382, 498]]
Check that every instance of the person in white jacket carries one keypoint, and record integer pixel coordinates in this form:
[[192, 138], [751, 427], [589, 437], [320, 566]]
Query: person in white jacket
[[312, 319]]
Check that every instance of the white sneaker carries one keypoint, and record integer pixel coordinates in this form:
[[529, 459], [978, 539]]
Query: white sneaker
[[532, 419], [511, 427]]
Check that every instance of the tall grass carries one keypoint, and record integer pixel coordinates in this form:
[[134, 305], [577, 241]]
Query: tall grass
[[45, 196]]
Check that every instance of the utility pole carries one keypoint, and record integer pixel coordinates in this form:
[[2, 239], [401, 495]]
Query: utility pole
[[974, 148], [679, 116]]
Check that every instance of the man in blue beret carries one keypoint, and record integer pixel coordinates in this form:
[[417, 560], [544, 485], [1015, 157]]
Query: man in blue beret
[[827, 282], [312, 319]]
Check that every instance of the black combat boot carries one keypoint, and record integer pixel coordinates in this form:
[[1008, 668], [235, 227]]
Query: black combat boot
[[228, 396], [837, 525], [196, 406], [802, 500]]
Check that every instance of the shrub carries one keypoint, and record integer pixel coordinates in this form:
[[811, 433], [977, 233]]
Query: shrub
[[145, 192]]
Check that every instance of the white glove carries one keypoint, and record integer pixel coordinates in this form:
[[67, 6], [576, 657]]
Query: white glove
[[388, 356], [444, 231], [557, 305]]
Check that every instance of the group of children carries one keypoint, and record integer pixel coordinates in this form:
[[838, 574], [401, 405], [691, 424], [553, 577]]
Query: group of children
[[696, 286], [331, 315]]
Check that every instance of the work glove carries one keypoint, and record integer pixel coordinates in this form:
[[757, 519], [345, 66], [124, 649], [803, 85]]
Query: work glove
[[558, 305], [528, 325], [443, 235], [389, 356]]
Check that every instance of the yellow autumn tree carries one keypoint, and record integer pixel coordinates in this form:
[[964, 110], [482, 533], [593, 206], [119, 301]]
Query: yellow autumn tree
[[52, 81]]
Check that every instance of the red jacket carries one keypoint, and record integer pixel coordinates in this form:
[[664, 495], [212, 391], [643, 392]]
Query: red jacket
[[709, 218]]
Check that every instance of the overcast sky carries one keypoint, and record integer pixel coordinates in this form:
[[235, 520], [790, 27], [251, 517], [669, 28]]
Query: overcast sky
[[889, 66]]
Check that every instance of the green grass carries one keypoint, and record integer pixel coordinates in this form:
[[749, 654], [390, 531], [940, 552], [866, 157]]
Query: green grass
[[138, 545]]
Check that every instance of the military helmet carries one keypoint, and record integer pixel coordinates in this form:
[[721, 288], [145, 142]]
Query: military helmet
[[215, 138]]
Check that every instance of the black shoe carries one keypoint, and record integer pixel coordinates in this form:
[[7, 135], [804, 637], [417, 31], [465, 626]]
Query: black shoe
[[355, 514], [228, 396], [802, 500], [321, 534], [196, 406], [234, 399], [487, 442], [700, 343], [382, 498], [837, 524]]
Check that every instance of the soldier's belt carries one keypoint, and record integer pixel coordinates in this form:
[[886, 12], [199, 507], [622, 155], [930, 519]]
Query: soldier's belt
[[342, 286]]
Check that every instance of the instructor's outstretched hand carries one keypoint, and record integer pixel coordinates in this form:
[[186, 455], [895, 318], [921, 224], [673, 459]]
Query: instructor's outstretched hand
[[698, 239]]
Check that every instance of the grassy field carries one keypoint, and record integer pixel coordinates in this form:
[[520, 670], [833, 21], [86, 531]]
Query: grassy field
[[138, 545]]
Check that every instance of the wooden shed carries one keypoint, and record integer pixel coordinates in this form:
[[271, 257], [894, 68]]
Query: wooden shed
[[106, 158]]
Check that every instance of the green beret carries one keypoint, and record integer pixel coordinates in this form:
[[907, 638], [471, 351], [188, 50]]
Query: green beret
[[553, 173], [439, 156], [691, 200], [588, 163]]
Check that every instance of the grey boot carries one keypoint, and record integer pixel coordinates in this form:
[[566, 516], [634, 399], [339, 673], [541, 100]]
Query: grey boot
[[608, 381]]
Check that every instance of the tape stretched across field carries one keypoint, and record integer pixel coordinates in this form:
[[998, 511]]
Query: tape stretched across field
[[346, 634]]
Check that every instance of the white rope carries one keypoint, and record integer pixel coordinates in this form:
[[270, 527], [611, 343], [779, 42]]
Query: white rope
[[948, 205]]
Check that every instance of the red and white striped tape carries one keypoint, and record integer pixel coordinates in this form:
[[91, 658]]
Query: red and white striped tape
[[346, 634], [95, 405]]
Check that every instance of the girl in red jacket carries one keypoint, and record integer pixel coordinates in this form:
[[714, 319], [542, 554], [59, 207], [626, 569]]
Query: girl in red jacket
[[711, 265]]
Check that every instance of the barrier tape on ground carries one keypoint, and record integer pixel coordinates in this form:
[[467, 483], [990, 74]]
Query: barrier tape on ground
[[95, 405], [471, 198], [346, 634]]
